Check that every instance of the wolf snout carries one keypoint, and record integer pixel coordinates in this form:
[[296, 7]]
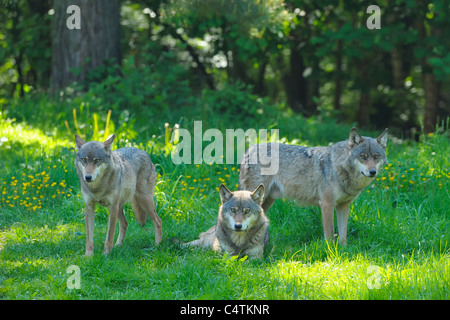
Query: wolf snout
[[372, 172], [238, 226], [88, 178]]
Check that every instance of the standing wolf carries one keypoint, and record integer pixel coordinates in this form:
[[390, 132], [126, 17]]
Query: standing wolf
[[112, 178], [242, 227], [331, 177]]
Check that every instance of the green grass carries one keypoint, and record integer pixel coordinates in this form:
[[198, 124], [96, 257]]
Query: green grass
[[398, 232]]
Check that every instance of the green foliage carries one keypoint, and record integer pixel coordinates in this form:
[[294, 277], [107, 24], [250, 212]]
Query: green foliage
[[303, 54], [236, 102], [25, 46], [232, 64], [398, 228]]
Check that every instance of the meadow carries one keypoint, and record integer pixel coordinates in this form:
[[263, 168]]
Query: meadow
[[398, 228]]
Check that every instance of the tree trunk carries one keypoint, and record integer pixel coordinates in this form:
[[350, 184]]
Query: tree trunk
[[431, 87], [238, 68], [18, 57], [364, 99], [397, 68], [364, 103], [259, 86], [75, 52], [295, 85], [18, 60], [337, 77], [431, 90]]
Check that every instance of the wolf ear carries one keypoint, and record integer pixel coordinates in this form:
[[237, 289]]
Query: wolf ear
[[225, 193], [355, 137], [78, 141], [382, 139], [258, 194], [108, 142]]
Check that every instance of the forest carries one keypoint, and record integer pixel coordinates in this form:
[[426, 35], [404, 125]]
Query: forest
[[313, 58], [152, 71]]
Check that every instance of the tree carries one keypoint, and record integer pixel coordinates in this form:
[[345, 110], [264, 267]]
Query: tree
[[25, 42], [432, 51], [78, 51]]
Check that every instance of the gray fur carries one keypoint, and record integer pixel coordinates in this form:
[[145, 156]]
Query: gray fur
[[113, 178], [330, 177], [238, 208]]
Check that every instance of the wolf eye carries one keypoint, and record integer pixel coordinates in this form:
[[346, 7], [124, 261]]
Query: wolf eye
[[375, 156], [97, 161], [84, 160], [233, 209], [246, 210], [363, 156]]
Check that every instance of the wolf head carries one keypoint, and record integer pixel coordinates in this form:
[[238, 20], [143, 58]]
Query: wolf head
[[93, 157], [240, 209], [368, 154]]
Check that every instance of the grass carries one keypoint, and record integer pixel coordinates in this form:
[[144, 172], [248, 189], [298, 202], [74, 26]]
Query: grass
[[398, 232]]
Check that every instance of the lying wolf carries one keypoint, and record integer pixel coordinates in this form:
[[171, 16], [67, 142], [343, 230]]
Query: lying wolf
[[242, 227]]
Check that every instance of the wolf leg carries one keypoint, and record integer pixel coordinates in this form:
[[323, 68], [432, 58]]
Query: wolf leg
[[122, 227], [342, 212], [89, 214], [144, 200], [205, 240], [112, 220], [327, 207], [255, 252], [148, 205]]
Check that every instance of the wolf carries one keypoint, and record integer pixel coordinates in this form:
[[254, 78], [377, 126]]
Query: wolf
[[242, 227], [113, 178], [330, 177]]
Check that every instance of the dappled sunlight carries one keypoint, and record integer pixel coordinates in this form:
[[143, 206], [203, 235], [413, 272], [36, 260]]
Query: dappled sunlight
[[38, 253], [193, 84], [397, 247], [321, 279], [28, 264], [361, 277], [47, 278], [23, 237], [37, 169], [12, 133]]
